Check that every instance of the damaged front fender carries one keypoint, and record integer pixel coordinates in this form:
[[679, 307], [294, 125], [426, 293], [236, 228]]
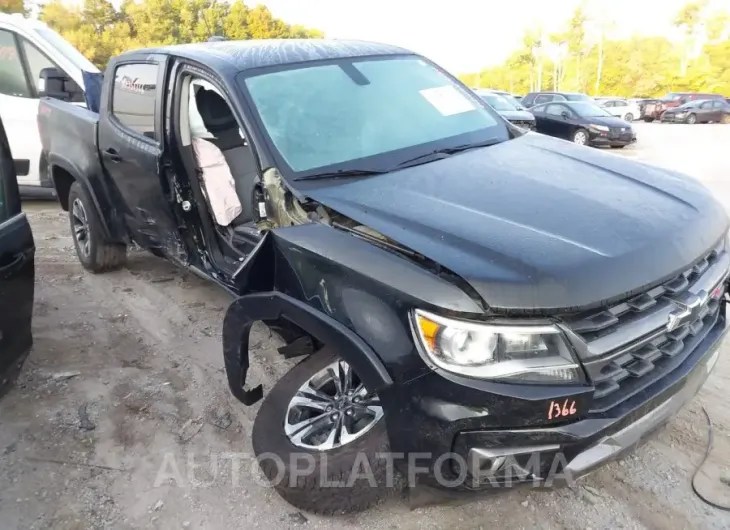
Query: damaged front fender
[[342, 291], [274, 305]]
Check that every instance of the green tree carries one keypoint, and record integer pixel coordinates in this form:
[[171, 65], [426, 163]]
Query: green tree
[[597, 62], [12, 6], [99, 30]]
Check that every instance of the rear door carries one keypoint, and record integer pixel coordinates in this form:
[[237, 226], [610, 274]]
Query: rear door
[[718, 106], [131, 143], [555, 123], [705, 112], [16, 272]]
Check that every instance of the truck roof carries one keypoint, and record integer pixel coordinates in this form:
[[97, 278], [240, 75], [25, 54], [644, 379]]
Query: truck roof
[[248, 54]]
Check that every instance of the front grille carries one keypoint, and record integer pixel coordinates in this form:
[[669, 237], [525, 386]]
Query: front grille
[[629, 346], [618, 132]]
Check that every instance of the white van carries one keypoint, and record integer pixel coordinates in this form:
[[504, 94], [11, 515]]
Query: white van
[[27, 47]]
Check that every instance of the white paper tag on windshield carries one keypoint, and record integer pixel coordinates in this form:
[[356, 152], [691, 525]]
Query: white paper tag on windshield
[[447, 100]]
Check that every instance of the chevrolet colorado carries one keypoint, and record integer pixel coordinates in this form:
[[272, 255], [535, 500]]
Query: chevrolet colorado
[[496, 299]]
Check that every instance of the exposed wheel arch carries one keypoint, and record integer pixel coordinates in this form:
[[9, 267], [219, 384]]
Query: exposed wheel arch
[[274, 305], [62, 181]]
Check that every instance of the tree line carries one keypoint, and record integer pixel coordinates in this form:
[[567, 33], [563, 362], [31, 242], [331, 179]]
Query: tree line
[[586, 55], [99, 30]]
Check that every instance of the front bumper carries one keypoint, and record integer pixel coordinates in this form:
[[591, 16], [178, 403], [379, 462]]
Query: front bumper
[[517, 448], [673, 118], [611, 138]]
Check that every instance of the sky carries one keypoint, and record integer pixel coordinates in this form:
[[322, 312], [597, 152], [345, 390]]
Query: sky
[[466, 35]]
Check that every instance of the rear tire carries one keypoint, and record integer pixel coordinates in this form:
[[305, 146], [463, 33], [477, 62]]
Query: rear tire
[[95, 254], [617, 146], [648, 120], [273, 443], [629, 117], [725, 119]]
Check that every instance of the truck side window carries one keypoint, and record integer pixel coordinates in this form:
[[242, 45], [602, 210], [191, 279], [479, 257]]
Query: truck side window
[[12, 77], [133, 97], [37, 61]]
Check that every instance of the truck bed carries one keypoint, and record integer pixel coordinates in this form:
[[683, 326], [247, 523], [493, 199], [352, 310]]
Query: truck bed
[[69, 136]]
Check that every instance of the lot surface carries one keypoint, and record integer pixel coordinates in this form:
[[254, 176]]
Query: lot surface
[[126, 375]]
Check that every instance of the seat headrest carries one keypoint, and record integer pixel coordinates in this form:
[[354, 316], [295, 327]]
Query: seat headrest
[[214, 111]]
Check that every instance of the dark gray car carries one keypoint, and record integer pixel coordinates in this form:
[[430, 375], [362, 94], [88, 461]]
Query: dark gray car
[[699, 111], [505, 108]]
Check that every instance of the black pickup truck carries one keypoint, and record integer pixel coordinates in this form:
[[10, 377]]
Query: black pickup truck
[[511, 305]]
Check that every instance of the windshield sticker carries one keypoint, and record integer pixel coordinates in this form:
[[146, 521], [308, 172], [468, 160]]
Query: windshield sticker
[[447, 100]]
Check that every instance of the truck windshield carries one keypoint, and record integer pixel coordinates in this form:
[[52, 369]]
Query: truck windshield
[[374, 113]]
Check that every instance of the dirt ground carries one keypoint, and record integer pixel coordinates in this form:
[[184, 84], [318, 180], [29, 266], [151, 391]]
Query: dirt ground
[[125, 387]]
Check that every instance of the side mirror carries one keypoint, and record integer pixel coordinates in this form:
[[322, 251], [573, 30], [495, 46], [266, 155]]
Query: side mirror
[[54, 83]]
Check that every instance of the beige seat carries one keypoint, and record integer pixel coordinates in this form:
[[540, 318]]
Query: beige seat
[[221, 123]]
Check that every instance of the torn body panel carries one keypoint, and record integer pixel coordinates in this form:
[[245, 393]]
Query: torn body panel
[[338, 288]]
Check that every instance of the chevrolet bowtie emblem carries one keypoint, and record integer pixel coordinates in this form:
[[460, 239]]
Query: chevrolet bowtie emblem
[[690, 308]]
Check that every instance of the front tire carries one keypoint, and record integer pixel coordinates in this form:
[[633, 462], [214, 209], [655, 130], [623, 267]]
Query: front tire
[[691, 119], [725, 119], [309, 418], [580, 137], [648, 120], [95, 254]]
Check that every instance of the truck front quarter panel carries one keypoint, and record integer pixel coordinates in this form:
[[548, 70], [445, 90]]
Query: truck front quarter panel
[[346, 293]]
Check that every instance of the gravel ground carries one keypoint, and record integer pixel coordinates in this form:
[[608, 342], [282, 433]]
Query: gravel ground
[[127, 374]]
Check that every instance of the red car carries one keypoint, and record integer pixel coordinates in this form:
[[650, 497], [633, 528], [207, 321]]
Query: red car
[[654, 111]]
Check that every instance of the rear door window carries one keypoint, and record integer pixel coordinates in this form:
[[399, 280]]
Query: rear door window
[[12, 76], [134, 96]]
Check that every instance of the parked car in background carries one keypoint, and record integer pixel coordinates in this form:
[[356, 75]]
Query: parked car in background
[[536, 98], [29, 46], [642, 103], [515, 100], [17, 271], [654, 111], [584, 123], [699, 111], [508, 110], [620, 108]]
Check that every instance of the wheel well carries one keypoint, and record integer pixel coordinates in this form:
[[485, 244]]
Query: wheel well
[[62, 181]]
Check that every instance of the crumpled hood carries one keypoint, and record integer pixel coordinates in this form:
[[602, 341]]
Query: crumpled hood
[[537, 223]]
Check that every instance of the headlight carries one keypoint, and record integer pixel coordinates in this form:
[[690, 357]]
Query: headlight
[[536, 354], [599, 128]]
